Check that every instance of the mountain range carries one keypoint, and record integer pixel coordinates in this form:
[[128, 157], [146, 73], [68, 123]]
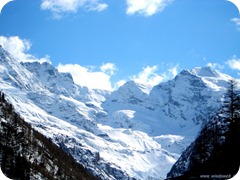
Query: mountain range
[[134, 132]]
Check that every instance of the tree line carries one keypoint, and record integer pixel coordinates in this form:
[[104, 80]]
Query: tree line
[[216, 150], [27, 154]]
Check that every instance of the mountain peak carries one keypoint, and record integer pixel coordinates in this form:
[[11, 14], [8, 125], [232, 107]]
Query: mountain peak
[[111, 133], [144, 88], [212, 77], [205, 72], [12, 72], [3, 53]]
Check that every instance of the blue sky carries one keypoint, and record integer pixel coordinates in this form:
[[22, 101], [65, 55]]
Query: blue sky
[[114, 41]]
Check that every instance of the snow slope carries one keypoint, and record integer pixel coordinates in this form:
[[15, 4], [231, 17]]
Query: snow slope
[[133, 132]]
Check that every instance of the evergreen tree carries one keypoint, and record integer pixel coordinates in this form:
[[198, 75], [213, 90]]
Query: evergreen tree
[[231, 102], [233, 118], [25, 153]]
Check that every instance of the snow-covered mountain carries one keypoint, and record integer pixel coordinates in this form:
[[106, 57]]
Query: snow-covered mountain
[[133, 132], [214, 154]]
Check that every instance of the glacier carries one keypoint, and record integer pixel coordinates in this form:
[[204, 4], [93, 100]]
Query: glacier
[[134, 132]]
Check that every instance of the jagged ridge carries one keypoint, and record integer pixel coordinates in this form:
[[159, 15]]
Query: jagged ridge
[[133, 132]]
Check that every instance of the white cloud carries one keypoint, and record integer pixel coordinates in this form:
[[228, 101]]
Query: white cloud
[[88, 77], [120, 83], [150, 76], [234, 63], [101, 79], [98, 7], [58, 7], [146, 7], [18, 48], [173, 72], [215, 65], [109, 68], [237, 22], [92, 77]]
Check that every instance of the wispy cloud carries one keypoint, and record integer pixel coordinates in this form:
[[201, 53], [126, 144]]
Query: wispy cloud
[[142, 7], [89, 77], [99, 7], [215, 65], [237, 22], [109, 68], [146, 7], [119, 83], [234, 63], [172, 72], [18, 48], [101, 77], [150, 75], [59, 7]]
